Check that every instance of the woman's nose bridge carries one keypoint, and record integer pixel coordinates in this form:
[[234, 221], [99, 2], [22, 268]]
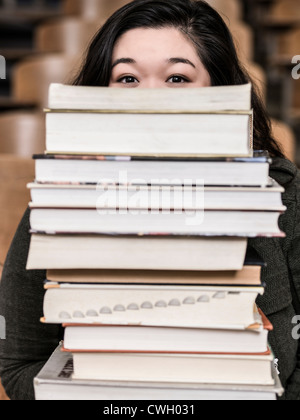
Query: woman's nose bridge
[[152, 82]]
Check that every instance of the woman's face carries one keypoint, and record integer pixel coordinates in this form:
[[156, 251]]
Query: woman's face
[[157, 58]]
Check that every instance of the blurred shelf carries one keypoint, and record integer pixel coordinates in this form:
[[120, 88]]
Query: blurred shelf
[[282, 60], [15, 54], [9, 104], [295, 115], [280, 24], [27, 15], [263, 2]]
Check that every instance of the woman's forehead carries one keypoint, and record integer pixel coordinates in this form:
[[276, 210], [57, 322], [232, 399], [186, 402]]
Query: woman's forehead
[[139, 42]]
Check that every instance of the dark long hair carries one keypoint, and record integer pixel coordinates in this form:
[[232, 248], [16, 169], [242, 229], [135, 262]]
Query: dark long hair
[[207, 31]]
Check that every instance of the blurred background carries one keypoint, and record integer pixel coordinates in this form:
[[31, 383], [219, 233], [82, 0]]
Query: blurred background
[[43, 41]]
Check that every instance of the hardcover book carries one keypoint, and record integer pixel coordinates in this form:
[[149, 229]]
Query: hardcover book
[[208, 99], [55, 382], [153, 305], [156, 197], [248, 276], [175, 368], [81, 169], [157, 221], [156, 252]]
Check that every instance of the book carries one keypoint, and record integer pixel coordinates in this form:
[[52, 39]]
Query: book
[[156, 221], [55, 382], [156, 305], [248, 276], [145, 134], [131, 170], [135, 252], [164, 197], [137, 127], [179, 368], [230, 98], [116, 338]]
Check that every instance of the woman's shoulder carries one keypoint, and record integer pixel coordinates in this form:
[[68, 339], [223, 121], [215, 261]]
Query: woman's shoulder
[[287, 174]]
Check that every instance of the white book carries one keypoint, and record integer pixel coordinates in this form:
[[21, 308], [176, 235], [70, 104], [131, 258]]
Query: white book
[[136, 253], [174, 368], [126, 170], [164, 339], [195, 221], [230, 98], [187, 306], [54, 382], [141, 134], [164, 197]]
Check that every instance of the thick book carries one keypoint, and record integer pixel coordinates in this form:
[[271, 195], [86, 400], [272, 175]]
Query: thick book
[[141, 134], [136, 252], [156, 197], [248, 276], [116, 338], [156, 305], [126, 170], [55, 382], [230, 98], [130, 122], [152, 221], [175, 368]]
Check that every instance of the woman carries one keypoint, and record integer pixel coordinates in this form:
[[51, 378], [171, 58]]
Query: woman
[[161, 43]]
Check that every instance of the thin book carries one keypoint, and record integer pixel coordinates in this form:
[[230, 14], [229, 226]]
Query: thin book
[[99, 169]]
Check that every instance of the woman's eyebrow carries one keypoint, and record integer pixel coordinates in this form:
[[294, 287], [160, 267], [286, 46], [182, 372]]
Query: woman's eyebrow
[[123, 61], [176, 60]]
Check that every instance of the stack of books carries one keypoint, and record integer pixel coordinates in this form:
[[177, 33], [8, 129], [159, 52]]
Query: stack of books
[[141, 215]]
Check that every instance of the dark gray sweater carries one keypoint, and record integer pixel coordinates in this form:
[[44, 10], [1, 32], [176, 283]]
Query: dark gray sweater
[[29, 343]]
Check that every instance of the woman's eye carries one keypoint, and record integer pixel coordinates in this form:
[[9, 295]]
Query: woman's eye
[[177, 79], [128, 80]]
